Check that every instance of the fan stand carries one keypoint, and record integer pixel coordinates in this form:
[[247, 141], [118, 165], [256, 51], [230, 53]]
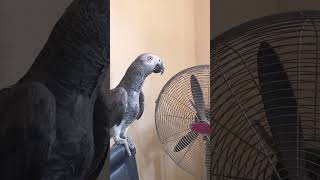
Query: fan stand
[[206, 175]]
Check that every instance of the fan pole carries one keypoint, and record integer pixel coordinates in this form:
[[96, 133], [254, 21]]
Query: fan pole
[[206, 172]]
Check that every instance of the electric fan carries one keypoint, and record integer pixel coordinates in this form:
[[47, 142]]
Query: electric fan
[[265, 114], [182, 119]]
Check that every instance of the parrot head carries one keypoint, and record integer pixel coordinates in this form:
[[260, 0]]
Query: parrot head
[[151, 62]]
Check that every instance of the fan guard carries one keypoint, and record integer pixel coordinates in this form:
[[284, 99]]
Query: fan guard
[[265, 113], [175, 113]]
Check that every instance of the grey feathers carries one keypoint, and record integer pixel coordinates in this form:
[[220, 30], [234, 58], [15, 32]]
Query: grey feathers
[[141, 105], [117, 105], [52, 125], [126, 102]]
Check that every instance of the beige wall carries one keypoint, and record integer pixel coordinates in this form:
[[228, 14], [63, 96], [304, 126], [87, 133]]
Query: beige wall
[[226, 14], [298, 5], [25, 27], [167, 28], [202, 25]]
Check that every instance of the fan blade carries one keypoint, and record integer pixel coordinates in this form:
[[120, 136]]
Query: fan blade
[[313, 163], [198, 97], [264, 134], [281, 109], [270, 142], [185, 141]]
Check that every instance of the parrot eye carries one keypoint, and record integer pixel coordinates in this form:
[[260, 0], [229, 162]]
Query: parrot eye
[[150, 57]]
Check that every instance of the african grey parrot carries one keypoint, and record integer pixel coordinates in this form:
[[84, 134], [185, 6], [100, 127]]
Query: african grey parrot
[[126, 101], [53, 121]]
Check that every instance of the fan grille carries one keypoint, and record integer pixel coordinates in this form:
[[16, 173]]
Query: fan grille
[[238, 150], [174, 115]]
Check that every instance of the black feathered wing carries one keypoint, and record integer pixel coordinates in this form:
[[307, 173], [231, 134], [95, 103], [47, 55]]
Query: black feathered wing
[[101, 135], [27, 130]]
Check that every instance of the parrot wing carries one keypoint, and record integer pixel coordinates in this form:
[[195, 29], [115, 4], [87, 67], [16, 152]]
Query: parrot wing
[[27, 130], [141, 105], [117, 102]]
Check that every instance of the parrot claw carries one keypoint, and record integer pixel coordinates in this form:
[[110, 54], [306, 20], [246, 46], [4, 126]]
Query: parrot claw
[[130, 142], [126, 145]]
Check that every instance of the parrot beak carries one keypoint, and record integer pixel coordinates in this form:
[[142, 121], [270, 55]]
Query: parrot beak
[[162, 69], [159, 68]]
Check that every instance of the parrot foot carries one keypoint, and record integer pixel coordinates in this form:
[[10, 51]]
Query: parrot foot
[[130, 142], [125, 143]]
